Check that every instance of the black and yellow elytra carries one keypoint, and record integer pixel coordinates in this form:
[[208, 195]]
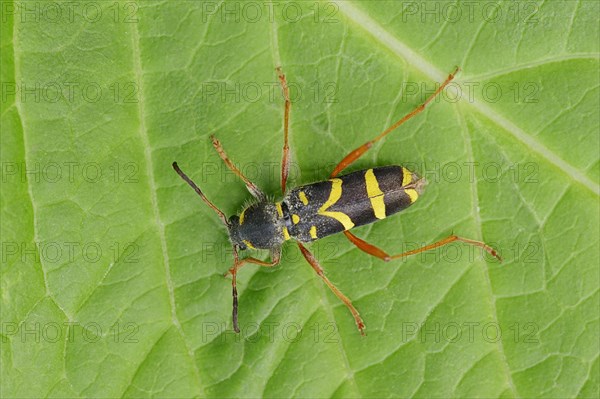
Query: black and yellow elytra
[[317, 210]]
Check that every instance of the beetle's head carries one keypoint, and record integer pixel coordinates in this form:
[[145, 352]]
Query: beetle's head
[[233, 226]]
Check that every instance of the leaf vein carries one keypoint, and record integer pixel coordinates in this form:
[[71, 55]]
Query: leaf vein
[[143, 134]]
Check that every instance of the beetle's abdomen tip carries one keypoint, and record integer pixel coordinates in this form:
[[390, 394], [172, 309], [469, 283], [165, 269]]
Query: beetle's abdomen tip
[[419, 184]]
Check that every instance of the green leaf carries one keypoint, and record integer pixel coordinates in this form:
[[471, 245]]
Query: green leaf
[[112, 267]]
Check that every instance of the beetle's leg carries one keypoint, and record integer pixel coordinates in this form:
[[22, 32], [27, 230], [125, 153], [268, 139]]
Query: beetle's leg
[[358, 152], [237, 263], [253, 188], [275, 258], [317, 267], [285, 161], [373, 250], [366, 247]]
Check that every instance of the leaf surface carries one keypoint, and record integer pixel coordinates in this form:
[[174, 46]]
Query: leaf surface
[[112, 268]]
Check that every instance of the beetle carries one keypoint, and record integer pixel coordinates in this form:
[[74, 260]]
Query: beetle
[[313, 211]]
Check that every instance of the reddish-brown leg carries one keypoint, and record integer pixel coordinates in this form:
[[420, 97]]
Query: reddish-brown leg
[[285, 161], [237, 264], [373, 250], [253, 188], [275, 257], [317, 268], [358, 152]]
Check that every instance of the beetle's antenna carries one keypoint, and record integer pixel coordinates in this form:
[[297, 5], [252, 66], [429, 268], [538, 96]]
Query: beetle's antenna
[[200, 193], [234, 313]]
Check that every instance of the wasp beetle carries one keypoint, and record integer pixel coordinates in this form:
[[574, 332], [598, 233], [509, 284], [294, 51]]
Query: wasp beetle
[[316, 210]]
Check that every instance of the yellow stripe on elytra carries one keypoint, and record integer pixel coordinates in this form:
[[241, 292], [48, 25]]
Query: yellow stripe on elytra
[[412, 194], [406, 177], [286, 233], [242, 217], [248, 244], [334, 196], [406, 180], [295, 218], [313, 232], [303, 197], [375, 194]]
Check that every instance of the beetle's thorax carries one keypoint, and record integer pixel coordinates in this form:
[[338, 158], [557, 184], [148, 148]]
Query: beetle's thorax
[[259, 226]]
